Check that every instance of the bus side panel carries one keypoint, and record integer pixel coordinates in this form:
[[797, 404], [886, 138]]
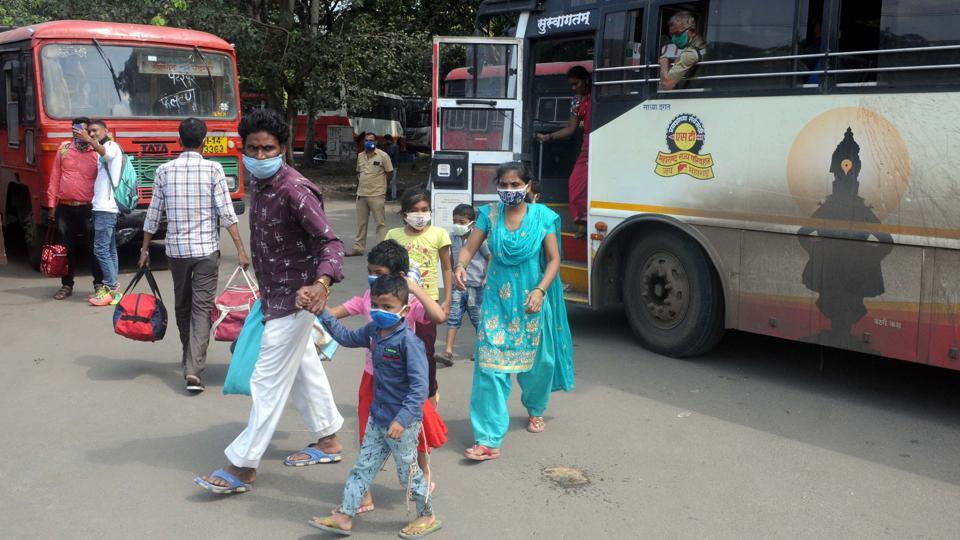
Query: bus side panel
[[940, 338]]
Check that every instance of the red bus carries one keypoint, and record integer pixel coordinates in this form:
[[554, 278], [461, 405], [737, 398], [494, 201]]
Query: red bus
[[142, 80]]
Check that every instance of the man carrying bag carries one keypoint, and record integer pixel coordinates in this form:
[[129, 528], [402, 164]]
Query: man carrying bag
[[194, 194]]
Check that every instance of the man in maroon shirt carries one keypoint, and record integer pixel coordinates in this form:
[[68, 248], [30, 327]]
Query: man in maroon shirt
[[297, 258], [69, 202]]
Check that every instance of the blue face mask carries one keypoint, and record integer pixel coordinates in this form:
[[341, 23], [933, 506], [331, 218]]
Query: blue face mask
[[385, 319], [371, 279], [369, 145], [263, 168]]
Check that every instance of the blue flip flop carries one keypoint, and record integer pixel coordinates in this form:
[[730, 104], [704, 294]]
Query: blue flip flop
[[236, 485], [317, 456]]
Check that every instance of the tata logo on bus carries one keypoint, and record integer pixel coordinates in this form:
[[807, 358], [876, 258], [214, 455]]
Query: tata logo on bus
[[685, 137], [154, 148]]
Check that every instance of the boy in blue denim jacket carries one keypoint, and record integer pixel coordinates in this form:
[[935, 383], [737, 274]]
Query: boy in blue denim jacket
[[401, 385]]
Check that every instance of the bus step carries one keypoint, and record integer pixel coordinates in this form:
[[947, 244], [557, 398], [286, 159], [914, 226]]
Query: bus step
[[572, 249], [576, 297], [573, 274]]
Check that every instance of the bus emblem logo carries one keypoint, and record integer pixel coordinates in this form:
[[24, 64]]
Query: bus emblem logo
[[685, 137]]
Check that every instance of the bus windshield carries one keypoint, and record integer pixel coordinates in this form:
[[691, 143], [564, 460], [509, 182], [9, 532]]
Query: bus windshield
[[143, 82]]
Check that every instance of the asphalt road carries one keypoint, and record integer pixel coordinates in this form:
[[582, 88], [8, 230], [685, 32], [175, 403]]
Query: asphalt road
[[760, 439]]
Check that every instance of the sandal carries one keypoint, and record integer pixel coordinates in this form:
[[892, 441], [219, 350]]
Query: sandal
[[536, 424], [316, 457], [63, 293], [235, 485], [479, 452], [194, 384], [446, 359], [419, 531], [329, 525]]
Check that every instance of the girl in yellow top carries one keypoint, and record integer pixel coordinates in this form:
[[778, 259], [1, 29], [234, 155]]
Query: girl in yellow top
[[429, 249]]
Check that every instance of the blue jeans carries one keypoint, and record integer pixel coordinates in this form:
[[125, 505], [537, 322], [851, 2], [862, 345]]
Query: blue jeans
[[374, 451], [105, 246], [469, 300]]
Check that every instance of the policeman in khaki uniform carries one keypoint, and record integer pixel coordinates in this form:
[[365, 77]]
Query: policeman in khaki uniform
[[684, 38], [373, 169]]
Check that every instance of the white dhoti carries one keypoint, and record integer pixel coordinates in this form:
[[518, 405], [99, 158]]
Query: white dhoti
[[288, 364]]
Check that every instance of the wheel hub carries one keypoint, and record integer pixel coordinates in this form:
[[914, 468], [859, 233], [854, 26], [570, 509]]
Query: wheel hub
[[665, 289]]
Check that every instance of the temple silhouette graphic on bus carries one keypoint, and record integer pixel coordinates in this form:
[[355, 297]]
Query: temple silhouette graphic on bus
[[844, 269]]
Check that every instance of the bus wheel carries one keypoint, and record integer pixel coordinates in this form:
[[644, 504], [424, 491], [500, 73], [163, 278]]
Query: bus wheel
[[32, 233], [673, 297]]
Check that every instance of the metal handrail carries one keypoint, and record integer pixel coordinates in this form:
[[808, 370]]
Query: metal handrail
[[825, 71]]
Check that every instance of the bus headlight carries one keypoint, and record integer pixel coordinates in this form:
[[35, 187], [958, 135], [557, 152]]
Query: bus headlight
[[233, 183]]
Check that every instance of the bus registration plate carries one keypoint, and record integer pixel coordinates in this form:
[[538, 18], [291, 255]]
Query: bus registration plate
[[215, 145]]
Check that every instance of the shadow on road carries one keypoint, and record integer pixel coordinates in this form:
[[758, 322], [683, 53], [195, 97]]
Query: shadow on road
[[838, 400]]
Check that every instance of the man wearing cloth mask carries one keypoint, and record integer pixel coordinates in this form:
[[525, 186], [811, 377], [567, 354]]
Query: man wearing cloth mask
[[105, 211], [373, 166], [297, 258], [69, 196], [683, 34]]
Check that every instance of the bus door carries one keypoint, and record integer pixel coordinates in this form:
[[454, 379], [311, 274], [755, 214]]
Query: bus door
[[477, 118]]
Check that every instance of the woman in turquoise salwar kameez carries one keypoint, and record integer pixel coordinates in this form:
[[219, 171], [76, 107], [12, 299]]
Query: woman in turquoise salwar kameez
[[524, 327]]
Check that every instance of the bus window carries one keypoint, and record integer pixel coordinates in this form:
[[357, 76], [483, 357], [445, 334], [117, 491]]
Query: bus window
[[29, 104], [144, 82], [686, 22], [479, 70], [747, 29], [620, 68], [898, 24], [476, 129]]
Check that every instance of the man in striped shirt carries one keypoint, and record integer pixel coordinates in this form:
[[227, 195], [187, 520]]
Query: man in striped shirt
[[194, 194]]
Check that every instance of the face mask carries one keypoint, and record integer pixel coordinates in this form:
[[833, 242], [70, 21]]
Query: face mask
[[512, 197], [460, 229], [104, 140], [369, 145], [371, 279], [263, 168], [385, 319], [681, 40], [418, 220]]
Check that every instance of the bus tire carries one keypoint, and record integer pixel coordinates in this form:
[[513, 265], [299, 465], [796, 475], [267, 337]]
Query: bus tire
[[673, 296], [32, 232]]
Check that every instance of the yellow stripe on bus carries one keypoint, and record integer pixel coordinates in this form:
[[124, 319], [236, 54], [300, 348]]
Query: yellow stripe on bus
[[837, 224]]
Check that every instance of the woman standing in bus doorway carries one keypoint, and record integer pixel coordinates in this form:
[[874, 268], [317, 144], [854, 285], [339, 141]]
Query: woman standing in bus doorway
[[580, 112], [524, 328]]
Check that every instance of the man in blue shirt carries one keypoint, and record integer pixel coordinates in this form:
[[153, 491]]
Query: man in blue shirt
[[400, 388]]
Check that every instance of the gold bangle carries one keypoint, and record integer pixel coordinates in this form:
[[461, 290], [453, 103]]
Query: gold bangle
[[542, 290], [324, 285], [460, 264]]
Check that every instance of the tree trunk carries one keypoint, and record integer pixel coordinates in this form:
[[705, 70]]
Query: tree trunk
[[292, 123], [309, 137]]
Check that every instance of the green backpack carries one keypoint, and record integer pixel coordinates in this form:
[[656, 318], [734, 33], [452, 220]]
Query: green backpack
[[125, 193]]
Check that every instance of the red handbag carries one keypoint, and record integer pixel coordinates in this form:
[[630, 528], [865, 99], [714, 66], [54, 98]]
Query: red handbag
[[231, 308], [141, 316], [53, 257]]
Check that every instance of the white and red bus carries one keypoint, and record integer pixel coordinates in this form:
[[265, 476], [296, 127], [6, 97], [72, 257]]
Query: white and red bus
[[799, 183], [142, 80], [385, 116]]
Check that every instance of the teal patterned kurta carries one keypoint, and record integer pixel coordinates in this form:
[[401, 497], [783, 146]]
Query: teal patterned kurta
[[511, 340]]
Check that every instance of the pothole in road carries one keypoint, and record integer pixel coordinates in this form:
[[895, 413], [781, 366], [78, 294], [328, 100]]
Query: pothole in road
[[566, 477]]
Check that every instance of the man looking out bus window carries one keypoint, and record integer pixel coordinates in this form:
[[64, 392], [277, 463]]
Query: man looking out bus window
[[69, 200], [683, 35]]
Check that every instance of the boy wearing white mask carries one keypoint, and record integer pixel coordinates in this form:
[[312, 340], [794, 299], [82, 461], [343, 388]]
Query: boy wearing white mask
[[429, 249], [470, 299]]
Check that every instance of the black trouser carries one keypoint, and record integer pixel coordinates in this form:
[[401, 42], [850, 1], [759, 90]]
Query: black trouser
[[194, 291], [73, 221]]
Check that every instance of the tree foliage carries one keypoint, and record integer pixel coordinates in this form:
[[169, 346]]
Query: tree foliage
[[305, 55]]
